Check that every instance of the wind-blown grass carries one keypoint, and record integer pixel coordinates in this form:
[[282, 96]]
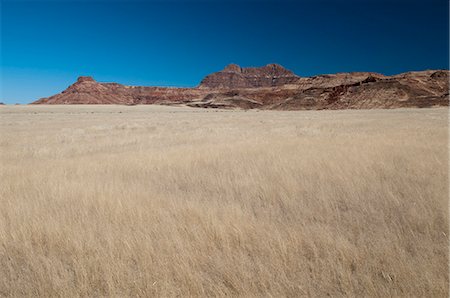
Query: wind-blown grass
[[159, 201]]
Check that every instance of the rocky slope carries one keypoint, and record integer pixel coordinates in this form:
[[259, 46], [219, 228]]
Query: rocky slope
[[274, 87], [87, 91], [234, 76]]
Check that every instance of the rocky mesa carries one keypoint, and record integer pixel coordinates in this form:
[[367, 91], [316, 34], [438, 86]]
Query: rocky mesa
[[235, 77], [273, 87]]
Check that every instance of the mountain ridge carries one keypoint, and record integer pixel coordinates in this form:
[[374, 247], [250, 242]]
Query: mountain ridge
[[273, 87]]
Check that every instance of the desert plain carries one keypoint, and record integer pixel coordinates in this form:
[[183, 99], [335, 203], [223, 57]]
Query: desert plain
[[175, 201]]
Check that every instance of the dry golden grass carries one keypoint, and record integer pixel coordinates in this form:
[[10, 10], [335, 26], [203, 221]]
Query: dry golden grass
[[160, 201]]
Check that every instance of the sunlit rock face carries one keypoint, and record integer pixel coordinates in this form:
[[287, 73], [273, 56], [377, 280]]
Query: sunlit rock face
[[233, 76], [273, 87]]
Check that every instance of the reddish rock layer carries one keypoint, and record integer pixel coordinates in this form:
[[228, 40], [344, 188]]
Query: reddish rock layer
[[234, 76], [281, 89]]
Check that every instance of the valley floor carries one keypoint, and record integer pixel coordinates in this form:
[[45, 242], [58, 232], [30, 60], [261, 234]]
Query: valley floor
[[173, 201]]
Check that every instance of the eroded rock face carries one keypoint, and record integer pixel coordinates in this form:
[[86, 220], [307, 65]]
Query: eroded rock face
[[85, 79], [87, 91], [274, 87], [233, 76]]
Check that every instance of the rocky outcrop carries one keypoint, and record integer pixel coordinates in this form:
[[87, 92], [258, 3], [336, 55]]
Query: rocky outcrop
[[87, 91], [234, 76], [334, 80], [273, 87]]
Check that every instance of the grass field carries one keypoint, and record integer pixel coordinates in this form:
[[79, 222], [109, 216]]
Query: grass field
[[164, 201]]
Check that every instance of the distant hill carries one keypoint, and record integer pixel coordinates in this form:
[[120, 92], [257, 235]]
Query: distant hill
[[273, 87]]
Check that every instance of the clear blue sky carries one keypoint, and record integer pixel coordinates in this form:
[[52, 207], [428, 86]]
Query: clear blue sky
[[46, 45]]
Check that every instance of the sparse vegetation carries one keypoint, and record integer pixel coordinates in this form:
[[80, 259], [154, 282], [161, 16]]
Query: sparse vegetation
[[161, 201]]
